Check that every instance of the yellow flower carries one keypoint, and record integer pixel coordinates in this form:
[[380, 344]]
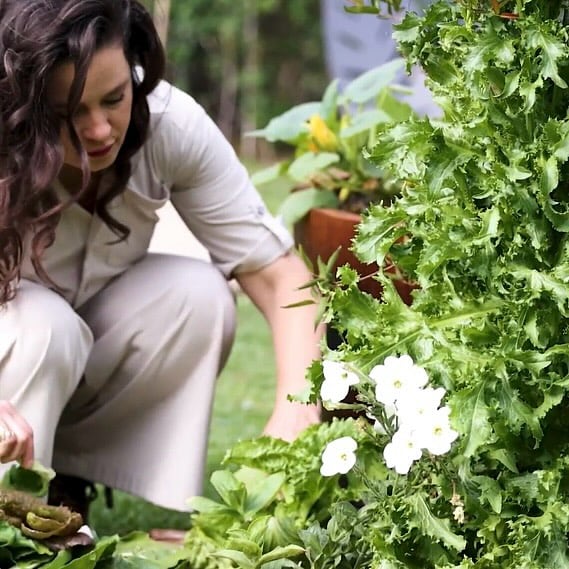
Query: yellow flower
[[321, 134], [344, 193]]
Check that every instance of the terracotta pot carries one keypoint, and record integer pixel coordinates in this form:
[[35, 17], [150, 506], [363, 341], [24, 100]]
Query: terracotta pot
[[323, 230], [320, 234]]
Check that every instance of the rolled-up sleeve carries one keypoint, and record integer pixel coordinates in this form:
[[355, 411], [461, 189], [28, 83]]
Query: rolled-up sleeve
[[212, 192]]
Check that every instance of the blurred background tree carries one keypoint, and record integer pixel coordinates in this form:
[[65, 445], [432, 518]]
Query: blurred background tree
[[245, 62]]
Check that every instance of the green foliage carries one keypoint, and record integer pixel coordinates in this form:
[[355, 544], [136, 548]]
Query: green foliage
[[15, 547], [34, 481], [481, 227], [328, 168], [17, 551], [272, 502], [30, 530], [137, 551]]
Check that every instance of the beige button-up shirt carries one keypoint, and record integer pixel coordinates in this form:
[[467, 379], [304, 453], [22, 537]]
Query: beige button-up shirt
[[187, 160]]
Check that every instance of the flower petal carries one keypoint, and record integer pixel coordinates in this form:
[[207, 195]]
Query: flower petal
[[333, 391]]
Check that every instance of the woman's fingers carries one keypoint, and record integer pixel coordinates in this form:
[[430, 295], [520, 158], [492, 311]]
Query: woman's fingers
[[7, 443], [16, 436]]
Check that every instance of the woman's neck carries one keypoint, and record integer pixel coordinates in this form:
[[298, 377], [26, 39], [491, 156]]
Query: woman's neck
[[71, 179]]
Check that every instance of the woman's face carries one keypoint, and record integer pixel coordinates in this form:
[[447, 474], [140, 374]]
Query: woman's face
[[103, 115]]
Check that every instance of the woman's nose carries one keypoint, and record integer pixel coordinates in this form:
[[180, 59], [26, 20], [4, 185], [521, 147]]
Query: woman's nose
[[96, 127]]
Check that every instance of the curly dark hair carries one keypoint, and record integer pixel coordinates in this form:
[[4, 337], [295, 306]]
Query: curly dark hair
[[35, 37]]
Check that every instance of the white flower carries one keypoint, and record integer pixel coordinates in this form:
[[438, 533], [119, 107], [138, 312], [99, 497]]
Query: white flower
[[436, 434], [402, 451], [339, 456], [417, 406], [337, 381], [458, 514], [395, 377]]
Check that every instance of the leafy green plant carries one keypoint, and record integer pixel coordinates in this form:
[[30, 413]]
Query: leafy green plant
[[481, 225], [463, 461], [328, 168], [272, 500], [34, 535]]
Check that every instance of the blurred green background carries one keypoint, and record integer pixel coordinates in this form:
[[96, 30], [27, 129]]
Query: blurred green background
[[246, 61]]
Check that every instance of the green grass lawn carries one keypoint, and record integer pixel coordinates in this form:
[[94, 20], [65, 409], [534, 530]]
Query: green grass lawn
[[242, 406]]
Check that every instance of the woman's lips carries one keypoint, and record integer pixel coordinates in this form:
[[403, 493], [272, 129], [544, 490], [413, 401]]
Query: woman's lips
[[101, 152]]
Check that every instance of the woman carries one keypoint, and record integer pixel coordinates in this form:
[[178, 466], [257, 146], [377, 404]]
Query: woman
[[108, 355]]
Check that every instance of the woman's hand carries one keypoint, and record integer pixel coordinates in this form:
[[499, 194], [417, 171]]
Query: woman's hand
[[289, 419], [16, 436]]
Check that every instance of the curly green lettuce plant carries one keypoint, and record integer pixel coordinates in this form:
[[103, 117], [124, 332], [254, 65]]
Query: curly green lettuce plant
[[479, 477], [482, 226]]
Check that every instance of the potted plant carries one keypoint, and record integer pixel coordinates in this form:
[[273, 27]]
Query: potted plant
[[332, 181]]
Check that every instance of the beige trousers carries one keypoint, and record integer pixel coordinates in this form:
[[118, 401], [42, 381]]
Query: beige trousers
[[120, 390]]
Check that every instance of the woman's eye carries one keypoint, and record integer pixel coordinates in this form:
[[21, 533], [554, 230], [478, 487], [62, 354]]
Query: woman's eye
[[115, 100]]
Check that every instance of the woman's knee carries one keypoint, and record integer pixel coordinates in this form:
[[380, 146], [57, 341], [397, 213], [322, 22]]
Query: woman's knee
[[164, 295], [39, 329], [208, 303], [215, 307], [165, 318]]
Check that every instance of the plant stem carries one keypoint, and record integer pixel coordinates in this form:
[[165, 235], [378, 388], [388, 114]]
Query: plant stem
[[445, 322]]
